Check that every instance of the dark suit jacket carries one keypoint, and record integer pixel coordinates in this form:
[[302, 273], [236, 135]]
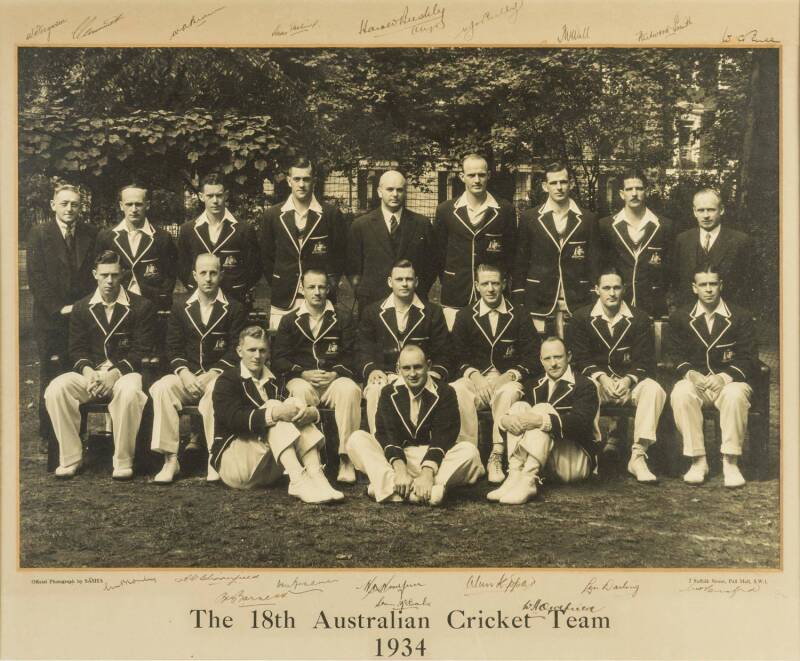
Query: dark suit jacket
[[629, 352], [646, 268], [515, 345], [732, 253], [379, 342], [237, 410], [295, 349], [460, 247], [577, 407], [237, 249], [125, 340], [731, 347], [203, 347], [370, 253], [154, 266], [284, 259], [541, 259], [438, 423]]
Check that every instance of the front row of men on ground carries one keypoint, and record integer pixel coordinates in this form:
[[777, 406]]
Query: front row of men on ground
[[422, 437]]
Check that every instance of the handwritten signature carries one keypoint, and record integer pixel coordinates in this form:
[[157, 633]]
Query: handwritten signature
[[37, 29], [730, 590], [511, 11], [611, 586], [403, 604], [749, 36], [568, 34], [293, 29], [392, 584], [299, 586], [194, 21], [129, 581], [216, 579], [87, 27], [429, 20], [670, 30], [477, 584]]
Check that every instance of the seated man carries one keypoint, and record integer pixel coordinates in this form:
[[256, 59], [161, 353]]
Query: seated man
[[414, 454], [109, 334], [558, 432], [313, 349], [257, 437], [713, 345], [613, 345], [387, 326], [201, 342], [495, 350]]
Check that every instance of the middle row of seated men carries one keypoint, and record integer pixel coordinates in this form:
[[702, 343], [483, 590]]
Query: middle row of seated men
[[404, 355]]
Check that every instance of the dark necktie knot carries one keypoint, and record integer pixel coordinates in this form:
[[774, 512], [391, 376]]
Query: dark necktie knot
[[393, 225]]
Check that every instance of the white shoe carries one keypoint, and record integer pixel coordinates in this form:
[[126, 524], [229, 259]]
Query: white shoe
[[731, 474], [394, 498], [347, 472], [637, 467], [212, 475], [321, 481], [122, 474], [697, 471], [304, 487], [523, 489], [437, 495], [494, 466], [511, 480], [68, 472], [169, 471]]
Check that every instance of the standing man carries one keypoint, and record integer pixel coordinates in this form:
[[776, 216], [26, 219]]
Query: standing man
[[638, 243], [259, 438], [202, 335], [299, 235], [612, 344], [385, 235], [713, 345], [558, 432], [729, 251], [557, 253], [314, 351], [415, 454], [109, 334], [495, 350], [60, 258], [476, 228], [216, 231], [387, 326]]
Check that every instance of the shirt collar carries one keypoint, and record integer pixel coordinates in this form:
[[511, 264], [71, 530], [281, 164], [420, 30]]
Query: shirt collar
[[122, 298], [303, 308], [567, 376], [314, 206], [649, 217], [714, 233], [389, 302], [484, 309], [430, 386], [203, 218], [147, 228], [549, 205], [597, 311], [721, 309], [388, 214], [63, 226], [266, 374], [488, 202], [196, 296]]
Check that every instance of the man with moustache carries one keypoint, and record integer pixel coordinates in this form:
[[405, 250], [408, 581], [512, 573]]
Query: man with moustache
[[385, 235]]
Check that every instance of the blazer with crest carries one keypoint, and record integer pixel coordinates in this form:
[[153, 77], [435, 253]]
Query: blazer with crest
[[730, 347], [237, 249], [461, 247], [645, 267], [542, 259], [238, 410], [284, 255], [371, 253], [515, 345], [154, 266], [577, 407], [203, 347], [295, 349], [628, 352], [732, 253], [438, 422], [124, 341], [379, 341]]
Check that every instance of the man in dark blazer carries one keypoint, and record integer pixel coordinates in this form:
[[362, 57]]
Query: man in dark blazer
[[202, 335], [612, 344], [415, 454], [558, 254], [713, 346], [638, 243], [109, 334], [475, 228], [217, 231], [313, 352], [60, 257], [727, 250], [495, 350], [558, 430], [298, 235], [387, 326], [385, 235]]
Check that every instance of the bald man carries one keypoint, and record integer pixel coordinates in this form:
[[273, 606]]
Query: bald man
[[384, 236]]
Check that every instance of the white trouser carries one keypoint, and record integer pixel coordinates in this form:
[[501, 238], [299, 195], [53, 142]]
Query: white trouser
[[468, 406], [449, 316], [372, 393], [254, 461], [68, 391], [461, 464], [343, 395], [649, 398], [562, 456], [276, 314], [169, 397], [558, 315], [733, 404]]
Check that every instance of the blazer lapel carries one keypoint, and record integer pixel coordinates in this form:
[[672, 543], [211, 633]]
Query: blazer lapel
[[193, 313], [82, 241], [700, 328], [402, 405], [225, 233], [205, 238], [415, 317], [427, 404], [561, 390], [121, 239], [328, 322], [314, 219], [601, 329], [389, 320], [287, 220], [303, 323], [57, 242], [218, 312], [540, 391], [117, 317], [549, 226], [463, 217], [99, 313]]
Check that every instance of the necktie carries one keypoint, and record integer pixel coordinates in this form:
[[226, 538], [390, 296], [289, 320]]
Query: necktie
[[393, 225], [69, 237], [707, 243]]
